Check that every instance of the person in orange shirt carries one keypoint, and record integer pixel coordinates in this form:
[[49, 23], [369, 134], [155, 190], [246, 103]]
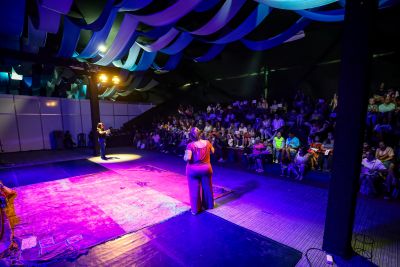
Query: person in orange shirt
[[315, 151], [199, 172]]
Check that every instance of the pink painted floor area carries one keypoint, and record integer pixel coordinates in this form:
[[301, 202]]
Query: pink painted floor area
[[68, 216], [169, 183]]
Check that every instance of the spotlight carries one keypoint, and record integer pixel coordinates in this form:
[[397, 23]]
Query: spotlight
[[115, 80], [51, 103], [103, 78], [102, 48]]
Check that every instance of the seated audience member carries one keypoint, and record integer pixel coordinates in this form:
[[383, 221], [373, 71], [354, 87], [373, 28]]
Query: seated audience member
[[156, 140], [68, 142], [292, 144], [256, 155], [242, 128], [371, 171], [384, 153], [392, 182], [238, 139], [286, 164], [327, 150], [277, 123], [383, 127], [230, 139], [315, 151], [300, 118], [247, 139], [278, 145], [372, 114], [387, 106], [301, 163]]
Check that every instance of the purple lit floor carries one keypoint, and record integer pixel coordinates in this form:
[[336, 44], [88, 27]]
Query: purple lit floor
[[286, 211]]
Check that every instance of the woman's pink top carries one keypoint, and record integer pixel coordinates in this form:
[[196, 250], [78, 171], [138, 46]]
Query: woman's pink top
[[199, 155]]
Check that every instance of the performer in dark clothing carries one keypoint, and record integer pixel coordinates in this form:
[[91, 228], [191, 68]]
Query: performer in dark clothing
[[199, 172], [102, 133]]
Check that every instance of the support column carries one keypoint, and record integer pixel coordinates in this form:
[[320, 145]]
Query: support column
[[350, 125], [94, 111]]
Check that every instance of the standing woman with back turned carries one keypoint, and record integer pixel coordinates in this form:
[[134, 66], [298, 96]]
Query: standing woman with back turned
[[199, 172]]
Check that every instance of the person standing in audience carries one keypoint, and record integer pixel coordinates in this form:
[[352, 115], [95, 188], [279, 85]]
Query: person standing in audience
[[199, 172]]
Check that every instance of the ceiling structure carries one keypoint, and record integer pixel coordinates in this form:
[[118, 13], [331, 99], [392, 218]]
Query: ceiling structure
[[157, 36]]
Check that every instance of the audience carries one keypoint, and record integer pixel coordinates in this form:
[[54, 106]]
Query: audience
[[298, 135]]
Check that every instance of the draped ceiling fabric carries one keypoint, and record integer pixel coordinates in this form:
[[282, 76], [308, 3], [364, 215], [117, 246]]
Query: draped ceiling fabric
[[135, 49]]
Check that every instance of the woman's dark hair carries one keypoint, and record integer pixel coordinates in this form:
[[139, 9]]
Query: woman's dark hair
[[194, 134]]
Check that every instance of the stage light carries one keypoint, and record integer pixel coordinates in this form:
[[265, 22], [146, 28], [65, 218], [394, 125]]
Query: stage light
[[102, 48], [51, 103], [116, 80], [103, 78]]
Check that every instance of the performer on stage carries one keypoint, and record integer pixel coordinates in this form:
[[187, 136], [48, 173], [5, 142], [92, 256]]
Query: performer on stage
[[102, 139], [199, 172], [8, 220]]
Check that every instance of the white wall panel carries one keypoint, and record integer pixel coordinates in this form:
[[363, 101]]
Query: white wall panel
[[9, 133], [30, 132], [50, 123], [73, 124], [120, 109], [56, 115], [133, 109], [85, 107], [50, 105], [146, 107], [120, 120], [26, 104], [86, 124], [106, 108], [108, 121], [7, 104], [70, 107]]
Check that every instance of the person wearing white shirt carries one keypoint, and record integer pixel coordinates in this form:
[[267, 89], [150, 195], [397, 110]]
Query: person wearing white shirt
[[277, 123], [370, 173]]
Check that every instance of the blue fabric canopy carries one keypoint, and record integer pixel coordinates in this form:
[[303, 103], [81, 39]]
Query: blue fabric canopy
[[171, 64], [251, 22], [278, 39], [224, 15], [99, 37], [161, 27], [121, 43]]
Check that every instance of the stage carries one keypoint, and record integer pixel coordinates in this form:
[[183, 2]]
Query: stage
[[132, 210]]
